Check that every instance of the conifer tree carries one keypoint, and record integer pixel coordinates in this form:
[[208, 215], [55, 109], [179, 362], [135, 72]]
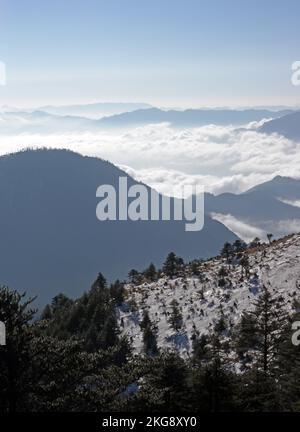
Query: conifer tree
[[149, 335], [172, 265], [288, 367], [269, 318], [227, 251], [133, 276], [151, 273], [260, 389], [176, 317]]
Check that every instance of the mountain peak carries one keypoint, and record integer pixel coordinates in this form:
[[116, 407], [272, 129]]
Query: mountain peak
[[48, 220]]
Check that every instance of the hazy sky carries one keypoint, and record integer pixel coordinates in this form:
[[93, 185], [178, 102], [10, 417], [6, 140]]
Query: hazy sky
[[166, 52]]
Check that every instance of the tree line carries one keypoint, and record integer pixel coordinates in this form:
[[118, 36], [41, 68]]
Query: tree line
[[73, 356]]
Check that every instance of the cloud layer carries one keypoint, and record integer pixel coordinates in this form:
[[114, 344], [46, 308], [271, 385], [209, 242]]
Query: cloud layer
[[243, 230], [223, 159]]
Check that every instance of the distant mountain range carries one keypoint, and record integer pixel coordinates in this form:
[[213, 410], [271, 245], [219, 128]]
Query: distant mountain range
[[90, 110], [261, 202], [41, 122], [272, 207], [288, 126], [55, 121], [94, 110], [51, 240], [191, 117]]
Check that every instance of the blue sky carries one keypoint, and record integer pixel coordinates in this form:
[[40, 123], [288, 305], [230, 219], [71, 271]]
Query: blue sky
[[167, 52]]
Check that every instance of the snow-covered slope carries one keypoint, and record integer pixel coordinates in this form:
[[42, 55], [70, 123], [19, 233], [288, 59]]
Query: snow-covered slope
[[201, 299]]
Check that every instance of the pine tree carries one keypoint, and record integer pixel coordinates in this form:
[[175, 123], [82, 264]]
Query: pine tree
[[221, 324], [149, 335], [245, 338], [227, 251], [117, 292], [200, 347], [213, 385], [47, 313], [260, 388], [151, 273], [288, 367], [176, 317], [245, 264], [133, 276], [100, 282], [195, 268], [164, 384], [255, 243], [239, 246], [17, 315], [172, 265], [269, 321]]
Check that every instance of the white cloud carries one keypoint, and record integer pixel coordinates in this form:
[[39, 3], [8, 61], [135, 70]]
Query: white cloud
[[222, 158], [294, 203], [241, 229], [165, 179], [282, 227], [286, 227], [248, 232]]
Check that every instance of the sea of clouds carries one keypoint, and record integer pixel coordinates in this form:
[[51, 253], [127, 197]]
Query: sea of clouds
[[221, 158]]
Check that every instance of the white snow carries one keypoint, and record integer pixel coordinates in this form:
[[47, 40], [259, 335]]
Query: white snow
[[276, 265]]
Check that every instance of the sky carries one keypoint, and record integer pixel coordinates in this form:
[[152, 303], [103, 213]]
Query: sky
[[168, 52]]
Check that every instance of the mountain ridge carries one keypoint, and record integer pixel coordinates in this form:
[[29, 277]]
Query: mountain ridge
[[190, 117], [51, 234], [288, 126], [209, 290]]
